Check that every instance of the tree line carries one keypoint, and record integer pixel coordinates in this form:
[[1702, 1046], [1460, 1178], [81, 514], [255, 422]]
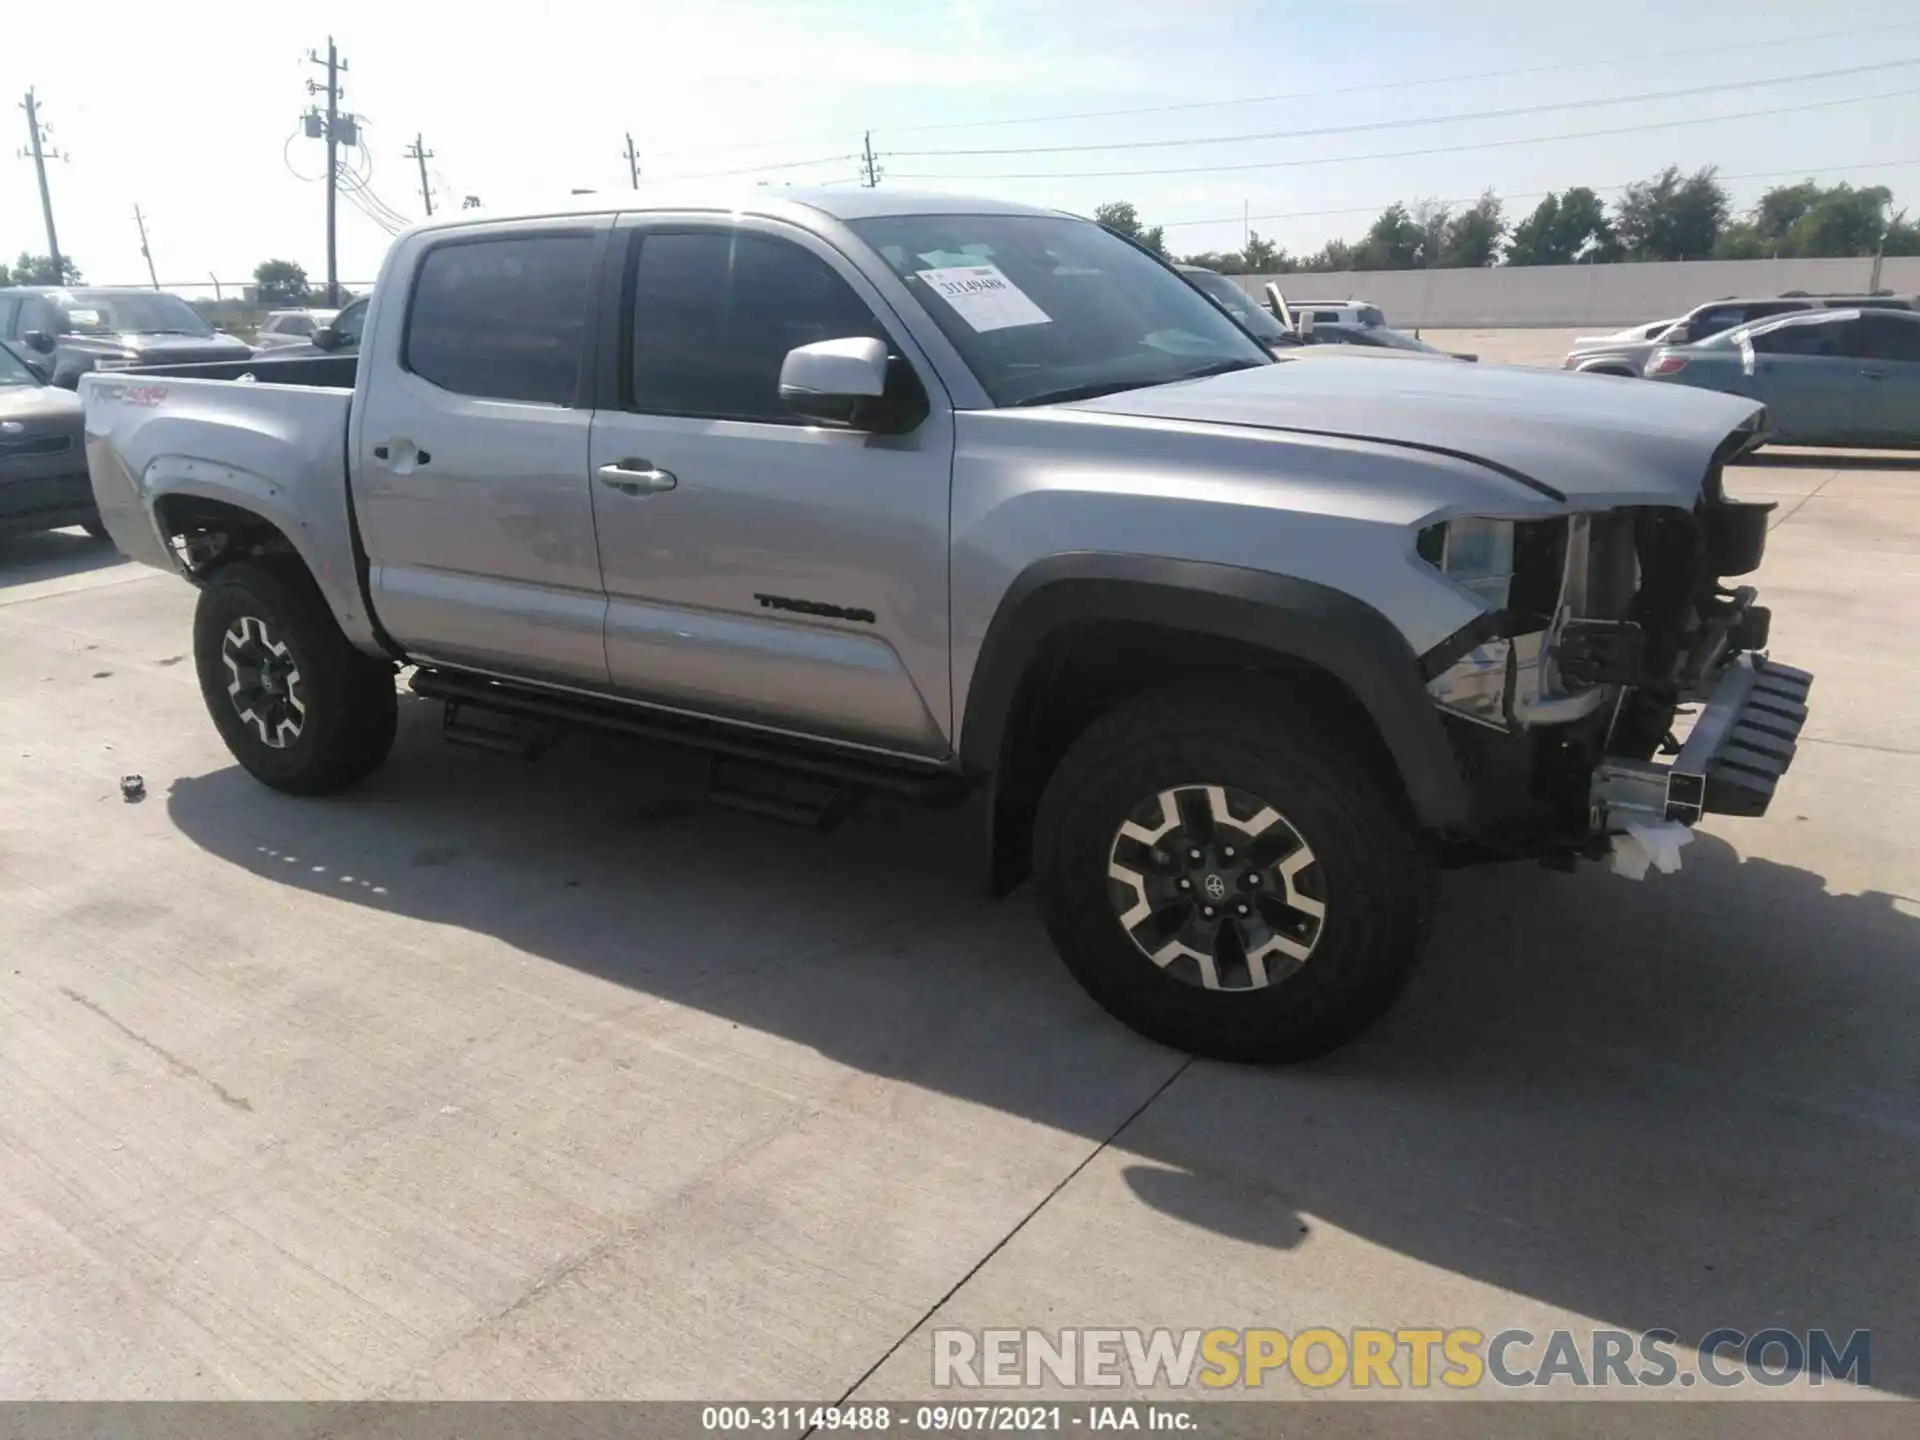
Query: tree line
[[1670, 216]]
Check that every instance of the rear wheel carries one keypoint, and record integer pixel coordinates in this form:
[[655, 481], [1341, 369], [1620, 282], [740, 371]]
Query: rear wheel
[[1226, 879], [299, 707]]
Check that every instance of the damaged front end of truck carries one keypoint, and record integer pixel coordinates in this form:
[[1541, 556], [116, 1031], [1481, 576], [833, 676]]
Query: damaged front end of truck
[[1618, 686]]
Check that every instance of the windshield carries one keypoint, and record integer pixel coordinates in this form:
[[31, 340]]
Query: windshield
[[14, 371], [1046, 308], [1242, 306], [130, 314]]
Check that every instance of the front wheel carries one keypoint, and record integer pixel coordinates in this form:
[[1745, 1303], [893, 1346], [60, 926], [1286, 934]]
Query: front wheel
[[299, 707], [1226, 879]]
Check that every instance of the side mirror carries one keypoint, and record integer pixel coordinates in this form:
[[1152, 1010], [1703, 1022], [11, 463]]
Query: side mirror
[[39, 340], [836, 382], [1678, 335], [325, 338]]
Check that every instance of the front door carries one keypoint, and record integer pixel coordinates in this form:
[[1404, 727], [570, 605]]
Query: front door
[[757, 566], [470, 457]]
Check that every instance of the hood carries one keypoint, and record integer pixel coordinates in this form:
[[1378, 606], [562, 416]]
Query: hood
[[184, 347], [40, 407], [1582, 438], [1631, 335]]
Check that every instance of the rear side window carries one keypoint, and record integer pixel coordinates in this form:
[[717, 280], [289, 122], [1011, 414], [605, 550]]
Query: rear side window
[[1886, 338], [715, 313], [503, 319]]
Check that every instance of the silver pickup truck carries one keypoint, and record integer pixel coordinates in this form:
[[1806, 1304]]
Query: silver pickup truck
[[981, 505]]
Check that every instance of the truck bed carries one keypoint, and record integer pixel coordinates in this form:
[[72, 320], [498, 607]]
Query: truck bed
[[281, 445]]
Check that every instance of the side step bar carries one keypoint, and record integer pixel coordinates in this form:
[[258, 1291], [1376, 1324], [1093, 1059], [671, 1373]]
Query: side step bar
[[740, 757]]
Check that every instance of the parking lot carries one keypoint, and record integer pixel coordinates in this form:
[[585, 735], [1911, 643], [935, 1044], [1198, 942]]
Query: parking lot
[[546, 1080]]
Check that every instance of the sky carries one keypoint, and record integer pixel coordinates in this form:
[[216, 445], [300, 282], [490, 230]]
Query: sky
[[191, 110]]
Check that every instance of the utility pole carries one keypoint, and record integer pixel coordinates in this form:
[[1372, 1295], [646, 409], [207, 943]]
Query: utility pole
[[633, 162], [422, 154], [40, 158], [145, 253], [333, 65], [870, 172], [1880, 252]]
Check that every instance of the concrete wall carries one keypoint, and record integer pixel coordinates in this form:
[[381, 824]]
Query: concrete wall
[[1582, 295]]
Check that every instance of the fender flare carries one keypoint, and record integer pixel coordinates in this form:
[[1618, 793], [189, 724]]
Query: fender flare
[[1299, 619]]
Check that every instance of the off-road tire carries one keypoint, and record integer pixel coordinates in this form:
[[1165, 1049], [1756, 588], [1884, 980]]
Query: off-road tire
[[1374, 873], [348, 706]]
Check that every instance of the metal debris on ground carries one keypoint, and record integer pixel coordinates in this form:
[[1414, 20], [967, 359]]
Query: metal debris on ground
[[132, 788]]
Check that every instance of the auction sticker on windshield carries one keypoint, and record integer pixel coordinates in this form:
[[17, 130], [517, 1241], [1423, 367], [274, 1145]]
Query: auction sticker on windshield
[[983, 297]]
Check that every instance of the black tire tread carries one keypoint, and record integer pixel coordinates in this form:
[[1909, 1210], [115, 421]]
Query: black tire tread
[[1355, 819], [352, 708]]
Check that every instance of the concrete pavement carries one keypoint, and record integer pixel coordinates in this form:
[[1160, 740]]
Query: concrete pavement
[[493, 1079]]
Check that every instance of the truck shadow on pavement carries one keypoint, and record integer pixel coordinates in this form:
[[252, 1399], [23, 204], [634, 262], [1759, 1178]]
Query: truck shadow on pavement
[[1687, 1103], [51, 554]]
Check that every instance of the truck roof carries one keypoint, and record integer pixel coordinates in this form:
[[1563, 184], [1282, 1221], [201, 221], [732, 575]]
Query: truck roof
[[847, 203]]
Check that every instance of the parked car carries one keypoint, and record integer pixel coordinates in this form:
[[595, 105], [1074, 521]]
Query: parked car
[[1827, 377], [339, 336], [283, 328], [1626, 351], [43, 451], [964, 501], [1242, 307], [84, 329], [1359, 325], [1379, 337]]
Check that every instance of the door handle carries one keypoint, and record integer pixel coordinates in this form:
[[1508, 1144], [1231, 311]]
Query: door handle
[[410, 456], [636, 477]]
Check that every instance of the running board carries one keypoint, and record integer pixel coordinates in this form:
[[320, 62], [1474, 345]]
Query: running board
[[836, 770]]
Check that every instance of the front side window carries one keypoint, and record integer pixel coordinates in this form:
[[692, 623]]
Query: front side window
[[348, 324], [1817, 338], [1044, 308], [713, 315], [295, 325], [503, 318]]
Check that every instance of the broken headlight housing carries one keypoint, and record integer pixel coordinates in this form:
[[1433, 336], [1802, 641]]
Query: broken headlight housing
[[1475, 553]]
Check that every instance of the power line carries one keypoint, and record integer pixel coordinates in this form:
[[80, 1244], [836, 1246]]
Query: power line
[[1642, 58], [1506, 113], [761, 169], [1375, 209], [1427, 150]]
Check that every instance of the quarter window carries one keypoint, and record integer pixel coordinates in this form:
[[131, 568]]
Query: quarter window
[[503, 319]]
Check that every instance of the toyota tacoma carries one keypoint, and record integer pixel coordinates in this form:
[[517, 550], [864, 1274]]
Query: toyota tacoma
[[983, 506]]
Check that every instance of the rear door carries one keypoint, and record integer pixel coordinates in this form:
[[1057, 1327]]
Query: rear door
[[1808, 380], [470, 455], [779, 573], [1889, 401]]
